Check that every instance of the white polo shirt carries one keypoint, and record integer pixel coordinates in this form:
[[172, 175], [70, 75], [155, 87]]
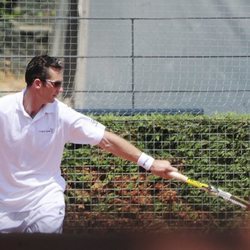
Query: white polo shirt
[[31, 150]]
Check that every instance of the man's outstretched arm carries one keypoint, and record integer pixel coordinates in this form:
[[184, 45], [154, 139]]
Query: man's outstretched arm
[[124, 149]]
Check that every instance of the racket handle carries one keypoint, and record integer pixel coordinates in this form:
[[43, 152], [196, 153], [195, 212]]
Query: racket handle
[[178, 176]]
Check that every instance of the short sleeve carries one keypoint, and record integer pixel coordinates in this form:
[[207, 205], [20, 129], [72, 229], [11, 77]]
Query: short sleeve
[[86, 131], [79, 128]]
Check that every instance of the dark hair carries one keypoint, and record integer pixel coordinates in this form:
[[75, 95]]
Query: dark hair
[[38, 68]]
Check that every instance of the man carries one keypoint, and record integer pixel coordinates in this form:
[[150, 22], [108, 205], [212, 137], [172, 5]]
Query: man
[[35, 127]]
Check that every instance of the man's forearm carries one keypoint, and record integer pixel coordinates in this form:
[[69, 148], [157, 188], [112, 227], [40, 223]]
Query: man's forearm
[[124, 149], [119, 147]]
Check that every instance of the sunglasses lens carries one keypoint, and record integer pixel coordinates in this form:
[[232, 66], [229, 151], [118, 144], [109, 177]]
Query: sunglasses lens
[[57, 84]]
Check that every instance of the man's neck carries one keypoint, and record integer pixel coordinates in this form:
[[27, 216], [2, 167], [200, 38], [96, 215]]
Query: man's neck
[[31, 103]]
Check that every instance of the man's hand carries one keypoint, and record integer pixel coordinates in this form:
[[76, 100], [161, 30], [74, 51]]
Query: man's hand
[[162, 168]]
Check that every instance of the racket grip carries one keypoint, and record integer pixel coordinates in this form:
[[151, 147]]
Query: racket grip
[[178, 176]]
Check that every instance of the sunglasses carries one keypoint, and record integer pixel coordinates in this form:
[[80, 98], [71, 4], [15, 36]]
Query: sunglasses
[[56, 84]]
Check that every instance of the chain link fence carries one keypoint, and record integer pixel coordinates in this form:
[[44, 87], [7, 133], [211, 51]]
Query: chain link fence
[[130, 57]]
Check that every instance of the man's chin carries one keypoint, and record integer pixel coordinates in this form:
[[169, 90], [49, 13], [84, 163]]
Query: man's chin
[[52, 100]]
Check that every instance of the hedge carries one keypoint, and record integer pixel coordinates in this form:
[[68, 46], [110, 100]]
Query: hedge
[[213, 149]]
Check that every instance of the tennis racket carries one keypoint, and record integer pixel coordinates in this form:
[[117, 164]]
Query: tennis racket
[[211, 189]]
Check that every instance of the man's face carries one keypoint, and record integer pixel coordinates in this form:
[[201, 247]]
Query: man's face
[[53, 85]]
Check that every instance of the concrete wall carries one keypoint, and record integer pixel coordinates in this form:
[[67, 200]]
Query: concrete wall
[[166, 54]]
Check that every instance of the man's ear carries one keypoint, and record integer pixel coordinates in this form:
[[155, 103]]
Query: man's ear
[[37, 83]]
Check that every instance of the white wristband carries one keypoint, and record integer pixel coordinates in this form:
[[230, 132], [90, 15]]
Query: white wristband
[[145, 161]]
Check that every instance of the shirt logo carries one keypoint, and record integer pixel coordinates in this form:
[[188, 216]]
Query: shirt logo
[[46, 131]]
